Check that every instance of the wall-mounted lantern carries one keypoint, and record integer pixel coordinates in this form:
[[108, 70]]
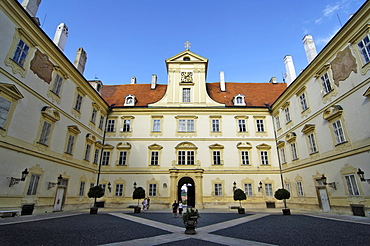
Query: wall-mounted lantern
[[109, 186], [260, 186], [234, 186], [332, 184], [362, 176], [134, 185], [14, 181], [52, 184]]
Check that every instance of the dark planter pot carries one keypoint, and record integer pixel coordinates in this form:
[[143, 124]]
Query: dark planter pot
[[286, 211], [93, 210], [190, 225], [137, 210], [241, 211]]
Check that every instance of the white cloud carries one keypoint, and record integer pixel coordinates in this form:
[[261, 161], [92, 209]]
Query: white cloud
[[322, 41], [330, 10]]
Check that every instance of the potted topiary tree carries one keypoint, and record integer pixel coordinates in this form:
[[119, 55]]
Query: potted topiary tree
[[239, 195], [139, 193], [95, 192], [190, 219], [283, 194]]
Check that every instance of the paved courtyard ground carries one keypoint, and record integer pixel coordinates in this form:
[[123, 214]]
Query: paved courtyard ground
[[158, 227]]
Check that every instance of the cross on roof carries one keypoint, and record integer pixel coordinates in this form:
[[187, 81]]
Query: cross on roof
[[187, 45]]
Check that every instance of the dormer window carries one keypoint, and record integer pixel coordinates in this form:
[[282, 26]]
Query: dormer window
[[129, 100], [239, 100]]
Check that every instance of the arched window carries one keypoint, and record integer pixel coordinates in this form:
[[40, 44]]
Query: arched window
[[239, 100], [129, 100]]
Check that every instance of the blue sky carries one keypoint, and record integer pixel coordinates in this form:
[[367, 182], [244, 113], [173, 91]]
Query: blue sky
[[246, 39]]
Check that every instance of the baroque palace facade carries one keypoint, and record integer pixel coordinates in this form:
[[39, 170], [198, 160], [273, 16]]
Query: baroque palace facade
[[65, 134]]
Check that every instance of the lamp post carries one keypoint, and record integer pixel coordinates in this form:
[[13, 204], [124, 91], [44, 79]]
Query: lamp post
[[14, 181]]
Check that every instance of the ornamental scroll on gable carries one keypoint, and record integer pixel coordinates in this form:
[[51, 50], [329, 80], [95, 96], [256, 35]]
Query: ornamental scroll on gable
[[42, 67], [343, 65]]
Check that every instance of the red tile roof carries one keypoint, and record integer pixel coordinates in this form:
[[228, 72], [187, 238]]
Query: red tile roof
[[256, 94]]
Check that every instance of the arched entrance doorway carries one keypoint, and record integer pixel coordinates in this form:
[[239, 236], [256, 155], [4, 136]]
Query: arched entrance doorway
[[186, 191]]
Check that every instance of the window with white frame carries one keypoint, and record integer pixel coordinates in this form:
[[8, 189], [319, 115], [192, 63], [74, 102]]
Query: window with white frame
[[122, 161], [126, 125], [4, 111], [241, 125], [78, 103], [245, 157], [300, 188], [216, 156], [82, 188], [96, 156], [239, 100], [32, 186], [277, 120], [105, 158], [293, 147], [338, 132], [268, 190], [264, 157], [312, 143], [186, 125], [215, 125], [154, 158], [303, 100], [45, 133], [287, 186], [364, 47], [282, 155], [101, 123], [260, 125], [186, 95], [218, 189], [111, 125], [287, 115], [326, 85], [352, 186], [21, 52], [152, 189], [119, 190], [93, 115], [70, 143], [57, 85], [87, 152], [156, 125], [185, 157], [248, 189], [129, 100]]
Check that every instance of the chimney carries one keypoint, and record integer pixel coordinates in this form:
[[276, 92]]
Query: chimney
[[80, 60], [222, 81], [273, 80], [61, 36], [309, 47], [133, 80], [31, 6], [290, 71], [154, 82]]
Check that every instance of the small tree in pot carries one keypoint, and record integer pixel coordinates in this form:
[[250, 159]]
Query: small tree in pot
[[239, 195], [95, 192], [283, 194], [139, 193]]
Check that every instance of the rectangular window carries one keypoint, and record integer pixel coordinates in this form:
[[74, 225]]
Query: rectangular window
[[287, 186], [186, 157], [241, 125], [45, 132], [186, 125], [111, 125], [122, 158], [103, 187], [260, 127], [277, 120], [352, 185], [126, 126], [300, 188], [215, 125], [326, 83], [248, 189], [32, 186], [4, 111], [294, 151], [57, 84], [101, 122], [152, 189], [190, 126], [287, 115], [218, 189], [216, 157], [364, 47], [245, 157], [282, 155], [312, 143], [96, 156], [264, 158], [338, 132], [20, 53], [154, 158], [93, 115], [303, 101], [87, 152], [119, 190], [186, 95], [156, 125], [91, 185], [268, 190], [105, 159], [71, 140], [78, 102], [82, 189]]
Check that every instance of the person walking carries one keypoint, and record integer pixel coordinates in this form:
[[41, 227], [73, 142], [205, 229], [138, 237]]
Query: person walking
[[174, 209], [180, 209], [145, 204]]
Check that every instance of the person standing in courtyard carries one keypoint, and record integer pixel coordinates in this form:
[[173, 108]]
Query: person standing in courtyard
[[147, 203], [174, 209], [180, 209]]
